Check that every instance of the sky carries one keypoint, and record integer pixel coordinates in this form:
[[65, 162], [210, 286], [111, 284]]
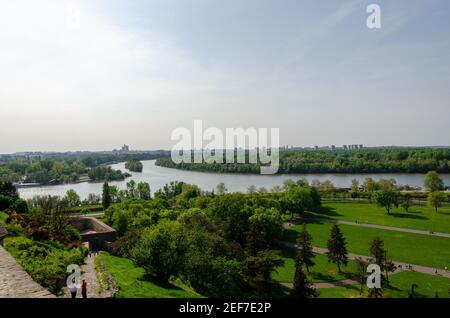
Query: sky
[[96, 74]]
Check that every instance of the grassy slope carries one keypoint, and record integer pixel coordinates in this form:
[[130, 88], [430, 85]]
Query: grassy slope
[[418, 217], [129, 281], [400, 287], [3, 217], [322, 271], [406, 247]]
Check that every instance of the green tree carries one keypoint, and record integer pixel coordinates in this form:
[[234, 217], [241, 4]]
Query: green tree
[[132, 191], [355, 185], [361, 272], [436, 199], [160, 251], [386, 198], [370, 185], [337, 250], [387, 184], [220, 188], [259, 269], [144, 190], [265, 226], [106, 196], [305, 252], [298, 199], [73, 199], [251, 189], [377, 251], [302, 287], [406, 202], [433, 182], [379, 254]]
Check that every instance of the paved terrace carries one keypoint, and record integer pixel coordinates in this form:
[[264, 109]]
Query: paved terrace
[[15, 282]]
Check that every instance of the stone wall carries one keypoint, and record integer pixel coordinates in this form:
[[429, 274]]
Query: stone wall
[[95, 232], [15, 282]]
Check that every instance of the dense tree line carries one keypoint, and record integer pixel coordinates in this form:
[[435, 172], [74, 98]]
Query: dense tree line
[[340, 161], [106, 173], [134, 165], [66, 168]]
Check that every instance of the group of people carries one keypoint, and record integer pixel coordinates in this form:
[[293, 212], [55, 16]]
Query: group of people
[[73, 290]]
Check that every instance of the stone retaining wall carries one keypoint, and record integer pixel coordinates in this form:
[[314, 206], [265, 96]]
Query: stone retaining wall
[[15, 282]]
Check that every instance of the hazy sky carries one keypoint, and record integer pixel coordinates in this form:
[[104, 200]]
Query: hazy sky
[[132, 71]]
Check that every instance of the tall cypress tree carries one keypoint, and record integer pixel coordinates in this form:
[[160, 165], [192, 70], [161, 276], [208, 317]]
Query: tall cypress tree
[[337, 250], [106, 196], [302, 287], [305, 252], [378, 252]]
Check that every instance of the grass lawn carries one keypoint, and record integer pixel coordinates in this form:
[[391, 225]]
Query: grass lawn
[[322, 271], [418, 217], [428, 286], [129, 280], [405, 247]]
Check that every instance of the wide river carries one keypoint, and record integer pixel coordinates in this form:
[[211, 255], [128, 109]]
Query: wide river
[[157, 177]]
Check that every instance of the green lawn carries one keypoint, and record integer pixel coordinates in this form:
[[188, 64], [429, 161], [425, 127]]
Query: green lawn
[[322, 271], [418, 217], [3, 217], [428, 286], [129, 280], [405, 247]]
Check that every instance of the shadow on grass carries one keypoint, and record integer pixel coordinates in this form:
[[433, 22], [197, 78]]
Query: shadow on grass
[[322, 277], [408, 216], [288, 252], [166, 285], [327, 211]]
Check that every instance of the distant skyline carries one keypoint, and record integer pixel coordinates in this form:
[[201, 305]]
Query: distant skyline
[[131, 72]]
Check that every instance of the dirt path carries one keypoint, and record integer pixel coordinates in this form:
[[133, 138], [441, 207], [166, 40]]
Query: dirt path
[[330, 284], [94, 287]]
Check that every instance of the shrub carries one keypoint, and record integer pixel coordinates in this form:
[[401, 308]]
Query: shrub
[[20, 206], [5, 202]]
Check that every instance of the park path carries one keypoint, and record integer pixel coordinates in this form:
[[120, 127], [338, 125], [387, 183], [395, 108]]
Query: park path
[[330, 284], [381, 227], [89, 273], [15, 282], [399, 265]]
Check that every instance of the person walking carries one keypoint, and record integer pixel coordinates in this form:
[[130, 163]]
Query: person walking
[[84, 289], [73, 291]]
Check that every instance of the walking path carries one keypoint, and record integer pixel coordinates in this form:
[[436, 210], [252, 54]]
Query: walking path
[[399, 265], [330, 284], [94, 287], [381, 227], [15, 282]]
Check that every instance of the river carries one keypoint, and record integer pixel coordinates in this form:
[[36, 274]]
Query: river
[[157, 177]]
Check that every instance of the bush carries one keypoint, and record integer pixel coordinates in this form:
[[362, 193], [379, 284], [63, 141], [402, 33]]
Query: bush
[[45, 262], [20, 206], [5, 202], [14, 228]]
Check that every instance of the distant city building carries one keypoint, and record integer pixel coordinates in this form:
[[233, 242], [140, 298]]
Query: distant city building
[[125, 148]]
